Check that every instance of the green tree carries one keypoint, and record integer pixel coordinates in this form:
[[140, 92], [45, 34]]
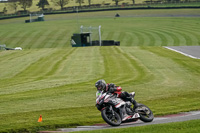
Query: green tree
[[60, 3], [25, 4], [5, 10], [42, 4], [89, 2], [79, 1], [117, 2], [12, 5]]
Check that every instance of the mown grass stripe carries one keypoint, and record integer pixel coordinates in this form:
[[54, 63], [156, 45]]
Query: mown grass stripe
[[86, 76], [135, 39], [8, 55], [7, 61], [34, 39], [19, 38], [140, 38], [14, 55], [41, 67], [24, 71], [57, 61], [152, 40], [8, 37], [121, 76], [109, 36], [157, 38], [147, 39], [54, 41], [62, 36], [177, 35], [3, 34], [23, 41], [187, 37], [104, 35], [183, 63], [194, 32], [139, 74], [115, 35], [122, 36], [186, 40], [65, 41], [89, 58], [170, 38], [50, 40], [190, 26], [194, 28], [27, 41], [192, 36], [43, 38], [160, 38], [128, 41]]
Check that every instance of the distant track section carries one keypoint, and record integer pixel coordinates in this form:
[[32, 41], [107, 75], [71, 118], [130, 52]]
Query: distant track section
[[190, 51]]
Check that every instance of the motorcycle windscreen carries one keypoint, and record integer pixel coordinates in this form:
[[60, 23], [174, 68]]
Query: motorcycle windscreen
[[98, 93]]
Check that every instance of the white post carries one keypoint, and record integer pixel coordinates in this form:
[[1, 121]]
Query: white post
[[90, 39], [30, 18], [81, 28], [100, 35], [77, 18], [90, 31]]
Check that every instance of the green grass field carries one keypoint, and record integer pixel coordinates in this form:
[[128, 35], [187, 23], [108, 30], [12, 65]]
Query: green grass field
[[51, 78], [130, 31]]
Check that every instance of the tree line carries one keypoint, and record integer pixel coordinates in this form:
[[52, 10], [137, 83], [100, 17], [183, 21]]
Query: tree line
[[24, 4]]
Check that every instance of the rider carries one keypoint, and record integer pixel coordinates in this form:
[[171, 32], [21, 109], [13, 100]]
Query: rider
[[112, 88]]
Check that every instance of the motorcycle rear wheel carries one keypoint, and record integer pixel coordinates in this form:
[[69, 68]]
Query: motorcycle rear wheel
[[146, 115], [113, 120]]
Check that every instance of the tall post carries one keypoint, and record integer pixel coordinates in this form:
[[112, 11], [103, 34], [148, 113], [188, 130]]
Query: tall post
[[81, 28], [90, 31], [100, 35], [30, 18], [77, 16]]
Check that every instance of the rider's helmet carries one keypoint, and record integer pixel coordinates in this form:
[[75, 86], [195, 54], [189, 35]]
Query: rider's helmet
[[100, 85]]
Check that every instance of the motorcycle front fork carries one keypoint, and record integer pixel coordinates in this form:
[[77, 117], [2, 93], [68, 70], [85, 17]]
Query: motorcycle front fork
[[111, 109], [122, 112]]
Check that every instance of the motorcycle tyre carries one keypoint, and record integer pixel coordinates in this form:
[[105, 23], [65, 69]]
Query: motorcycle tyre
[[143, 118], [103, 114]]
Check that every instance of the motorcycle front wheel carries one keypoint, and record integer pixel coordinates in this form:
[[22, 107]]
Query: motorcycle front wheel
[[113, 120], [146, 115]]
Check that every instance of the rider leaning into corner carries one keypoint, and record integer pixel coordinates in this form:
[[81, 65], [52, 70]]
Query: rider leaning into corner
[[112, 88]]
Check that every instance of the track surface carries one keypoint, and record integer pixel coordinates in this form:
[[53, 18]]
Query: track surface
[[157, 120], [190, 51]]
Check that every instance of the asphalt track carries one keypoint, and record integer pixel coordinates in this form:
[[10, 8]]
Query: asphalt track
[[190, 51], [193, 115]]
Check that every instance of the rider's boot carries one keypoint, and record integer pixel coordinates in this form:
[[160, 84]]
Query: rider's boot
[[125, 117], [134, 103], [132, 100]]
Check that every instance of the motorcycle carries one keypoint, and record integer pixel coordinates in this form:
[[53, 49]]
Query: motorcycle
[[115, 111]]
